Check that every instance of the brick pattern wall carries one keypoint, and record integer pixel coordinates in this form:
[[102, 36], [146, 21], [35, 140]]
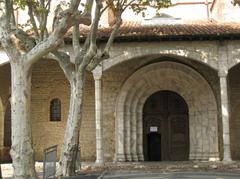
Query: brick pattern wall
[[48, 82]]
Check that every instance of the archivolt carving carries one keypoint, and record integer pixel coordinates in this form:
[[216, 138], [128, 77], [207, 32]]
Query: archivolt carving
[[174, 77]]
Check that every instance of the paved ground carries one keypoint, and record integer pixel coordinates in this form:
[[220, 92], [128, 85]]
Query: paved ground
[[151, 170], [173, 175]]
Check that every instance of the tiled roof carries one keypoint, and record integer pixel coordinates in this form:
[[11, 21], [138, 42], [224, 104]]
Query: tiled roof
[[192, 30]]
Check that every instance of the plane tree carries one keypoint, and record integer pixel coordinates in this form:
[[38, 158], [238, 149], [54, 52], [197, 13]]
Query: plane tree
[[24, 47], [86, 57]]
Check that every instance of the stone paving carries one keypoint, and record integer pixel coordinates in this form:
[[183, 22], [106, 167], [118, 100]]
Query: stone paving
[[151, 170], [174, 175]]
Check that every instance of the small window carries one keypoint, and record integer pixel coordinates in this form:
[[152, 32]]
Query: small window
[[55, 110]]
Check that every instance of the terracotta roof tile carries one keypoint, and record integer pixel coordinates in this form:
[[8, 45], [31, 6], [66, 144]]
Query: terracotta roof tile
[[189, 29]]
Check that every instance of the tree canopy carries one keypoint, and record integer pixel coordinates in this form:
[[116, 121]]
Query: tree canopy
[[236, 2]]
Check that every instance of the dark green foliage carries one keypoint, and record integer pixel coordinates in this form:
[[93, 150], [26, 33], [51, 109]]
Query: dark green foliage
[[236, 2], [140, 5]]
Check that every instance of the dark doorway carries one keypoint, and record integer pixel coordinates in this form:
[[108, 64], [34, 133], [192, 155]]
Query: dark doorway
[[7, 126], [154, 146], [5, 151], [165, 127]]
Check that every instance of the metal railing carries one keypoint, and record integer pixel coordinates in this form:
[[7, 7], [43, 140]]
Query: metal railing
[[49, 163]]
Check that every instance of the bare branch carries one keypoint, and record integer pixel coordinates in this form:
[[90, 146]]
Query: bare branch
[[104, 9], [80, 55], [65, 63], [94, 28], [92, 50], [57, 16], [86, 43], [75, 39], [127, 5], [32, 19], [9, 13], [95, 61], [45, 13], [113, 34], [7, 42], [56, 37], [105, 53], [85, 16]]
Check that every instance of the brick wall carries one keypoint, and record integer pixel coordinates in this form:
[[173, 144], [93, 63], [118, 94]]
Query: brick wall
[[48, 82]]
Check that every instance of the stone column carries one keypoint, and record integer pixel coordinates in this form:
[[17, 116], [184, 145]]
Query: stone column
[[97, 74], [128, 134], [134, 133], [140, 135], [223, 72], [225, 116]]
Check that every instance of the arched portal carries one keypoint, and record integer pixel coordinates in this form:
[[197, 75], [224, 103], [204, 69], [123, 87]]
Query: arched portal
[[165, 127], [181, 79]]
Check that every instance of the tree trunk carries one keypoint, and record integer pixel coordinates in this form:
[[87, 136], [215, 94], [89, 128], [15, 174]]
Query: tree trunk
[[21, 150], [71, 137]]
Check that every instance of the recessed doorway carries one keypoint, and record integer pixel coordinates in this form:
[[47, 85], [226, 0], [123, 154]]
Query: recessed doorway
[[7, 126], [165, 127]]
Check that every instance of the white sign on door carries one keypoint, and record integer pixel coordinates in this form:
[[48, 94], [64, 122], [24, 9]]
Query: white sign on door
[[153, 129]]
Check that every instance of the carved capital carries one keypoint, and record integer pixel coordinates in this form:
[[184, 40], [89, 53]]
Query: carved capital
[[222, 72], [97, 73]]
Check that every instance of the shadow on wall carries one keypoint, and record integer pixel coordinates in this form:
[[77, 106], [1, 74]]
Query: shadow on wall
[[5, 150]]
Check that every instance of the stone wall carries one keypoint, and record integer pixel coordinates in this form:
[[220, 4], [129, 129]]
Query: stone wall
[[49, 82], [114, 78]]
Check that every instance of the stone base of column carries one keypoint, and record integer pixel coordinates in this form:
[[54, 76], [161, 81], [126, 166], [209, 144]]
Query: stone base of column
[[129, 157], [201, 156], [140, 157], [227, 160], [227, 153], [120, 158], [99, 162], [134, 158]]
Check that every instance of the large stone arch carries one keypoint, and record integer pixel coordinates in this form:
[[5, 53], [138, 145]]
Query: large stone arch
[[203, 127], [203, 55]]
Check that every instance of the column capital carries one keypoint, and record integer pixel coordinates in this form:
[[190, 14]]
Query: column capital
[[222, 60], [97, 73], [223, 72]]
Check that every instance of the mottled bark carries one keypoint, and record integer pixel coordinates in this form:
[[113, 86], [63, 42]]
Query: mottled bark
[[23, 51], [21, 150], [71, 138]]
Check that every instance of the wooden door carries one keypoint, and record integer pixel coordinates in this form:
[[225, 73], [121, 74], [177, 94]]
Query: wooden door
[[168, 112]]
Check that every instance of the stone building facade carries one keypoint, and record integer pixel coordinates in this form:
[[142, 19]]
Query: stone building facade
[[163, 95]]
